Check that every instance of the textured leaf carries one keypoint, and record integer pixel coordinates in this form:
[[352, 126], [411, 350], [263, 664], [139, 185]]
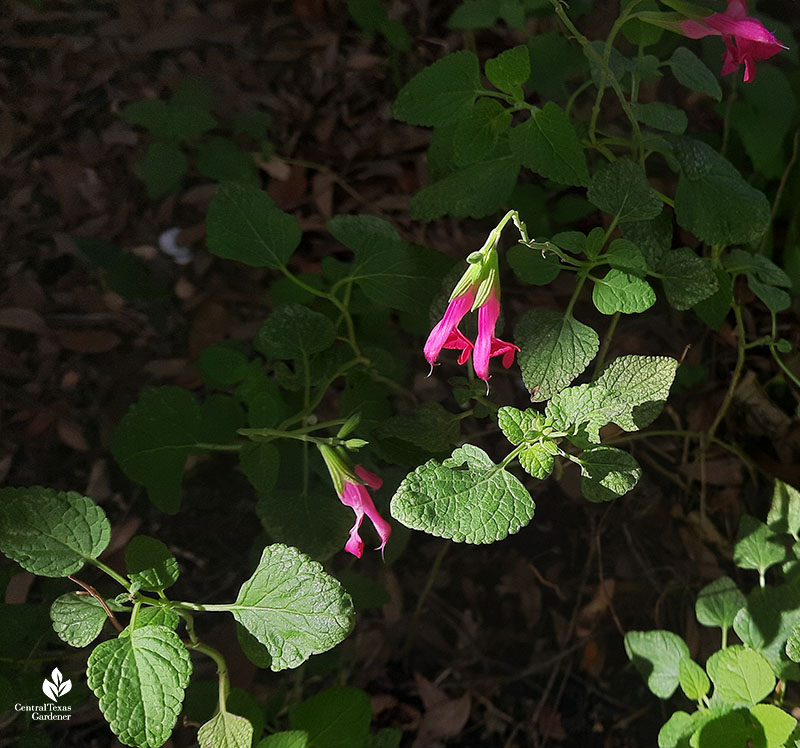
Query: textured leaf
[[139, 678], [693, 679], [662, 116], [776, 725], [157, 616], [389, 270], [162, 168], [755, 547], [607, 473], [467, 498], [713, 201], [765, 278], [474, 14], [653, 237], [222, 366], [510, 69], [429, 427], [622, 292], [285, 739], [244, 224], [718, 603], [678, 727], [226, 730], [475, 191], [519, 425], [150, 564], [440, 93], [621, 189], [547, 144], [554, 350], [715, 308], [538, 459], [642, 383], [793, 645], [77, 619], [784, 512], [624, 255], [657, 656], [294, 331], [687, 278], [154, 439], [476, 134], [51, 533], [338, 717], [293, 607], [584, 409], [260, 461], [691, 72], [740, 675], [221, 160]]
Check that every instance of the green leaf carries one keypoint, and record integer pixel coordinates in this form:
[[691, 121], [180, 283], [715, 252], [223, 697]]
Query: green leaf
[[765, 278], [440, 93], [221, 416], [259, 462], [510, 69], [466, 498], [153, 440], [621, 189], [715, 308], [389, 271], [554, 350], [221, 160], [285, 739], [755, 547], [428, 427], [547, 144], [162, 168], [226, 730], [553, 59], [338, 717], [169, 120], [150, 564], [77, 619], [653, 237], [691, 72], [718, 603], [387, 737], [784, 512], [607, 473], [252, 122], [688, 279], [476, 134], [661, 116], [314, 521], [293, 607], [625, 255], [775, 723], [51, 533], [244, 224], [519, 425], [139, 678], [740, 675], [622, 292], [157, 616], [713, 201], [657, 656], [539, 458], [294, 331], [767, 621], [584, 410], [676, 729], [642, 384], [530, 267], [474, 14], [475, 191], [222, 366], [792, 645], [638, 32], [693, 679]]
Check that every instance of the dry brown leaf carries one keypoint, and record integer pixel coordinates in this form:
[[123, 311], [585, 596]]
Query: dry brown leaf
[[443, 717], [596, 607], [71, 434], [89, 341], [24, 320]]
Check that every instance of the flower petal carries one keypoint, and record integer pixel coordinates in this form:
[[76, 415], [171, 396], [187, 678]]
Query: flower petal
[[487, 319], [440, 334]]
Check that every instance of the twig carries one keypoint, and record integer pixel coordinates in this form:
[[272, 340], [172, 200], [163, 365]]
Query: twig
[[97, 596]]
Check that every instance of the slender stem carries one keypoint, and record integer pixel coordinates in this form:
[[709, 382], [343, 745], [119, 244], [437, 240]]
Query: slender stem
[[724, 637], [582, 275], [577, 92], [218, 447], [511, 455], [222, 670], [113, 574], [740, 355], [302, 284], [726, 121], [437, 562], [786, 370], [97, 596]]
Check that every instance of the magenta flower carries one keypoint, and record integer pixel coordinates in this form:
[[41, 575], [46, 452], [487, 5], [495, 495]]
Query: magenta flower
[[356, 496], [478, 289], [746, 39]]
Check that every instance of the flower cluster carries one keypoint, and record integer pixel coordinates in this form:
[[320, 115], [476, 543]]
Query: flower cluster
[[478, 289]]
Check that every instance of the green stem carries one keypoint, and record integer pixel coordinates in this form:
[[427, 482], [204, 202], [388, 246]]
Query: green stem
[[511, 455], [218, 447], [113, 574], [575, 94], [724, 637], [737, 371], [781, 187], [302, 284], [222, 671], [789, 373], [582, 275]]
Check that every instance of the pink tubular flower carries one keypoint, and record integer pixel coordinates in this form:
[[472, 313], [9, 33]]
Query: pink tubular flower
[[356, 496], [746, 39], [477, 289]]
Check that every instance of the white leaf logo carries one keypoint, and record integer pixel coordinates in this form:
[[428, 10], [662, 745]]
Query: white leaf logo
[[57, 686]]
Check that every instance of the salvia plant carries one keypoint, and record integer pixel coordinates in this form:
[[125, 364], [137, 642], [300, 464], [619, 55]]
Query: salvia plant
[[318, 407]]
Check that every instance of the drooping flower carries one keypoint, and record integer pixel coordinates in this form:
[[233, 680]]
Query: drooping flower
[[351, 487], [479, 288], [746, 39]]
